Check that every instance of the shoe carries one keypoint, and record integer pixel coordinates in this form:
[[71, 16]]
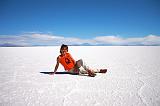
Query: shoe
[[91, 74], [103, 70]]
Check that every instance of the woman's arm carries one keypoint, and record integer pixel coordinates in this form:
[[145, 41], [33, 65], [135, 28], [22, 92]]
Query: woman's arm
[[56, 67]]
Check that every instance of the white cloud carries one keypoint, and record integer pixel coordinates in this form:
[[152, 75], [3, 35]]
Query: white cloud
[[115, 40], [13, 39], [109, 40], [29, 39], [151, 40]]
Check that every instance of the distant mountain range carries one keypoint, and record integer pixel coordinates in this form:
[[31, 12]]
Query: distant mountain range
[[10, 45], [84, 44]]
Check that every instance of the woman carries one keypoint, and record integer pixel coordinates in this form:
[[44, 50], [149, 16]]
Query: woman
[[72, 66]]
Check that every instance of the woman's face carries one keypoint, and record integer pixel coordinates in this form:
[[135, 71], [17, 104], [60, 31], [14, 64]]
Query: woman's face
[[64, 50]]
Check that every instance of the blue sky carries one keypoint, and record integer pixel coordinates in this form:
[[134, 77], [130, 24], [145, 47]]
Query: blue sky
[[52, 22]]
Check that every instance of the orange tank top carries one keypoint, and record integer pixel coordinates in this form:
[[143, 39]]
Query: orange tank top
[[67, 61]]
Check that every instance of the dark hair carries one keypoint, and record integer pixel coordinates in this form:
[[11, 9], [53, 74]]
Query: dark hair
[[63, 46]]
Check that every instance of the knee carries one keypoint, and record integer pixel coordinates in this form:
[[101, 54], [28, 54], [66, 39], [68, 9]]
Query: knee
[[79, 63]]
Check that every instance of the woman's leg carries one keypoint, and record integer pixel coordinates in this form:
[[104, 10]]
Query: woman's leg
[[84, 69], [79, 65]]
